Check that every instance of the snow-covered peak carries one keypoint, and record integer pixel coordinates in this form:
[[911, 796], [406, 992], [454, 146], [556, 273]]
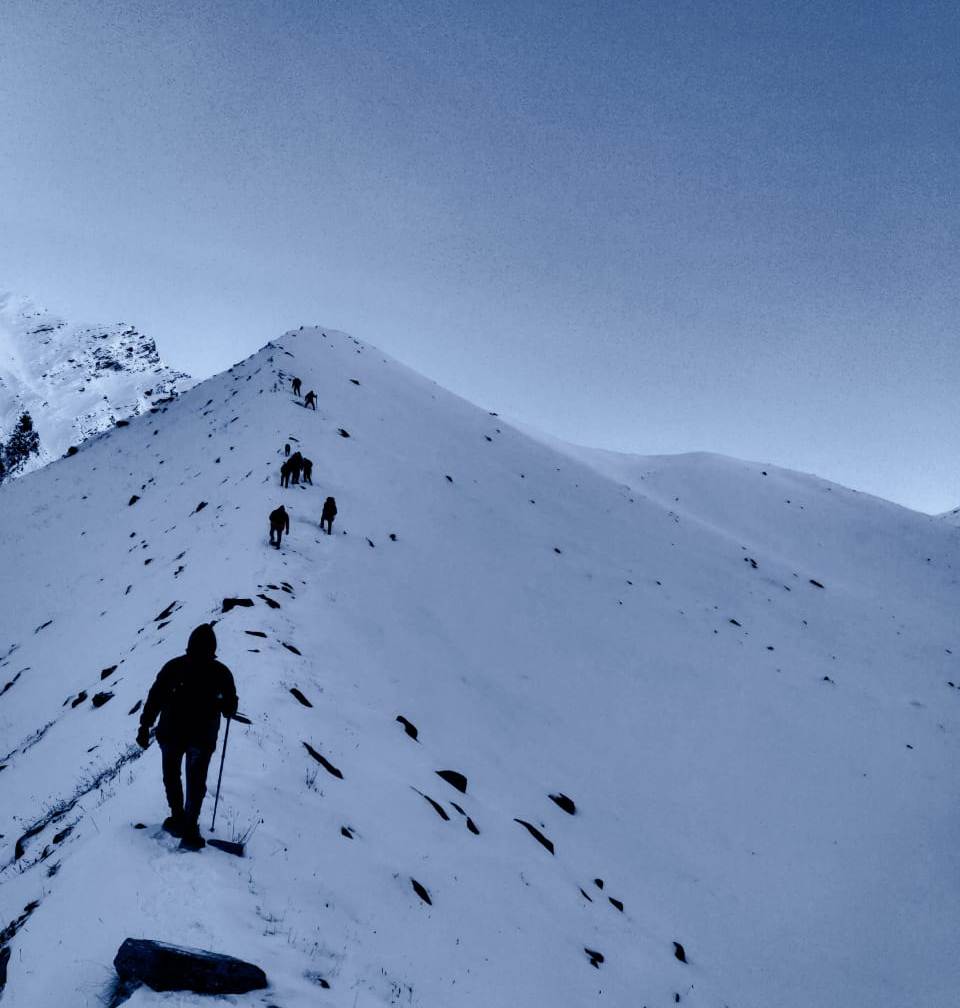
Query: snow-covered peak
[[953, 517], [74, 380], [745, 680]]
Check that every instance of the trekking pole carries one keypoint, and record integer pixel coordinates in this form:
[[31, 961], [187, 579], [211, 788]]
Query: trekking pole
[[216, 801]]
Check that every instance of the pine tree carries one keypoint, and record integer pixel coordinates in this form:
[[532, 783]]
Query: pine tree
[[23, 442]]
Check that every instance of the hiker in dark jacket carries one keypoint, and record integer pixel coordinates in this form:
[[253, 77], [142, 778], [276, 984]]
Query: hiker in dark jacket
[[329, 513], [286, 450], [296, 386], [296, 464], [279, 523], [308, 471], [190, 694], [285, 474], [310, 401]]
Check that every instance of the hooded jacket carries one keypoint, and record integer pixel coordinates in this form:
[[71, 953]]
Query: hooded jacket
[[329, 509], [190, 694]]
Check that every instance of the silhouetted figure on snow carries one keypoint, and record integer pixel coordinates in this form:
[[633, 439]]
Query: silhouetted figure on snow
[[311, 400], [296, 386], [190, 694], [279, 523], [286, 449], [296, 465], [285, 471], [329, 513], [308, 471]]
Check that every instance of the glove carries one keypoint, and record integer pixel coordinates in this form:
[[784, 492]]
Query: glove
[[143, 737]]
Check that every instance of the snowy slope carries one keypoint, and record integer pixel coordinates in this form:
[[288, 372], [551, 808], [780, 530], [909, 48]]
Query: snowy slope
[[953, 517], [74, 380], [764, 769]]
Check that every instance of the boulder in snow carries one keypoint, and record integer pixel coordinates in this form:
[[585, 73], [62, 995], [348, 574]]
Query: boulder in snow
[[164, 967]]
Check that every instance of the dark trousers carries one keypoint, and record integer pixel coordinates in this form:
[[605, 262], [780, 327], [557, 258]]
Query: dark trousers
[[278, 532], [328, 522], [197, 762], [285, 479]]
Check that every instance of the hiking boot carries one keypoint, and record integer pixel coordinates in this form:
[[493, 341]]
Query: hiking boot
[[191, 839], [172, 826]]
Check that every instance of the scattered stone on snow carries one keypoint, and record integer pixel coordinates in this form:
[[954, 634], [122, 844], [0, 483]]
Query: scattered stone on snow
[[564, 802], [164, 967], [454, 779], [536, 834]]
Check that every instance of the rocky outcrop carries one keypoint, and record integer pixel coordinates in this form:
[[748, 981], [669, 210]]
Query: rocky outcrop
[[164, 967]]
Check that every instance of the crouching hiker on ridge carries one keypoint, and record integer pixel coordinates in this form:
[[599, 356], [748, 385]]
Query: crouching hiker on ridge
[[190, 694], [279, 523]]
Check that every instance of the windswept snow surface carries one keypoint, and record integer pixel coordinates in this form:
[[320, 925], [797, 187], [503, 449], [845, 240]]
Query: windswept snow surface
[[743, 677], [74, 380]]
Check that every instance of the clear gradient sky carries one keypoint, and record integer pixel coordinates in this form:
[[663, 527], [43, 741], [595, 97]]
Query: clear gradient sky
[[653, 227]]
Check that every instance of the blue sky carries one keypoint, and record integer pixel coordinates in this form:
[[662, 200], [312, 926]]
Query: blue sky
[[653, 227]]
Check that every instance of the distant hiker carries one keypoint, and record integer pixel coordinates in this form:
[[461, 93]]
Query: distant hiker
[[286, 449], [190, 694], [308, 471], [296, 386], [329, 513], [285, 471], [296, 465], [279, 523], [311, 400]]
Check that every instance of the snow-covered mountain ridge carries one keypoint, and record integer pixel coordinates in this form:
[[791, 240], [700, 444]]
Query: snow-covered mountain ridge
[[74, 380], [745, 679]]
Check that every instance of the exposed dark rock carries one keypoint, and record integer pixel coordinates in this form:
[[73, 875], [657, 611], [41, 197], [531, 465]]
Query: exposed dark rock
[[564, 802], [734, 622], [133, 500], [437, 807], [99, 699], [584, 894], [472, 826], [165, 967], [270, 602], [342, 432], [536, 834], [354, 381], [816, 584], [421, 892], [347, 832], [199, 507], [165, 614], [108, 672], [299, 696], [80, 697], [135, 707], [454, 779], [409, 728], [679, 952], [290, 647], [255, 633], [595, 957], [326, 764], [616, 903], [72, 450], [598, 882]]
